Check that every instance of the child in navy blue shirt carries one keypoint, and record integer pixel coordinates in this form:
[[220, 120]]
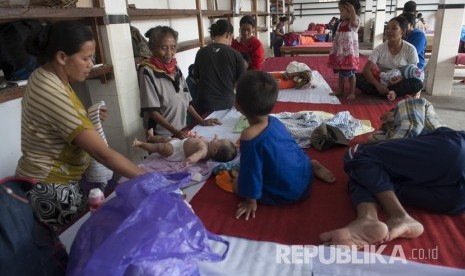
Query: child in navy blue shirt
[[274, 169]]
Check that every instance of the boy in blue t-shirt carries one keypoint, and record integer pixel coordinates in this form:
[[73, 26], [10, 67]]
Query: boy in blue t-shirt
[[274, 169]]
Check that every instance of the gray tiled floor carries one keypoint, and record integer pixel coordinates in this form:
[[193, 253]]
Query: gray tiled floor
[[451, 109]]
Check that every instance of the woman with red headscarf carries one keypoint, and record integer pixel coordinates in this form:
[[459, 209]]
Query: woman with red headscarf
[[164, 97]]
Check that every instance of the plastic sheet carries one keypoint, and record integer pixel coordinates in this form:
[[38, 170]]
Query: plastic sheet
[[147, 229]]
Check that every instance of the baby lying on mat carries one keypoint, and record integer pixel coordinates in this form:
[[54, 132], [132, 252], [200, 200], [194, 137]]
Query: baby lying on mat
[[394, 76], [189, 150]]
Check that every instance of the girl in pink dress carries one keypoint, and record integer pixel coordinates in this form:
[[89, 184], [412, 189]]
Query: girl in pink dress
[[344, 56]]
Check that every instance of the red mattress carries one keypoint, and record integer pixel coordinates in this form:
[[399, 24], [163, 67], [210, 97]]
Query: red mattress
[[460, 60], [320, 64], [329, 207]]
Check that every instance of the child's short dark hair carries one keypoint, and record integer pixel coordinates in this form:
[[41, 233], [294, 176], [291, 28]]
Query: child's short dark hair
[[355, 3], [256, 93], [226, 153], [410, 18]]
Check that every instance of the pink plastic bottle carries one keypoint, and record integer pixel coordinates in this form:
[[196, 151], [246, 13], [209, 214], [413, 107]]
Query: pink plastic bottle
[[96, 199]]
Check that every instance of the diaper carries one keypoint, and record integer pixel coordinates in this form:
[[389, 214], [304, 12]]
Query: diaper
[[178, 150]]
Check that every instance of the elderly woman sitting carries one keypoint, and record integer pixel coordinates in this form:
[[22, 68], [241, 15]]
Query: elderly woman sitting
[[164, 97], [392, 54]]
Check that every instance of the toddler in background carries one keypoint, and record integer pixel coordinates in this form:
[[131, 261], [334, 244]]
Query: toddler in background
[[274, 169], [189, 150], [344, 56]]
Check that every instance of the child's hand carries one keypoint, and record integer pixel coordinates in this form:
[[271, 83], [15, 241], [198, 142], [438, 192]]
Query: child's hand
[[247, 208]]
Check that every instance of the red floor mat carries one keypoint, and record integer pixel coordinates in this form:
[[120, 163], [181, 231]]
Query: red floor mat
[[328, 207]]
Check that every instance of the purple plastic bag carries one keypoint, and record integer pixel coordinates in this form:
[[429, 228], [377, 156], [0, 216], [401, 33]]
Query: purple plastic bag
[[147, 229]]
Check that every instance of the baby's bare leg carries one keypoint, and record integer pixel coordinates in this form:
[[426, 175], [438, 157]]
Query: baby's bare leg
[[152, 138], [322, 172], [165, 149]]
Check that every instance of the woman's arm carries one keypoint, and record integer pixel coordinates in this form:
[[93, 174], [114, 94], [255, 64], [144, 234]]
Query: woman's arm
[[90, 141], [159, 119], [198, 118], [258, 55], [382, 90]]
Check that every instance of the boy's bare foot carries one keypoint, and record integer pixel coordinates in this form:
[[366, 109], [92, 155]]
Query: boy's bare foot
[[322, 172], [351, 97], [360, 232], [403, 227]]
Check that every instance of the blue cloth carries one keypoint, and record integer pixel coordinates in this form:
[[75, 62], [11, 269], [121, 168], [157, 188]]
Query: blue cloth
[[426, 172], [274, 169], [418, 39]]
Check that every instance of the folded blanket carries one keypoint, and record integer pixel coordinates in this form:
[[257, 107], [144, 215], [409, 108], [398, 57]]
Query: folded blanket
[[96, 171]]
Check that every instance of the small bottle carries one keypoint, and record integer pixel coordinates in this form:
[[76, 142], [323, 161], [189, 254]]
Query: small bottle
[[96, 199]]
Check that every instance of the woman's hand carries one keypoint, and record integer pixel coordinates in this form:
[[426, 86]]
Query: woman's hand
[[210, 122], [180, 134], [103, 113], [382, 90]]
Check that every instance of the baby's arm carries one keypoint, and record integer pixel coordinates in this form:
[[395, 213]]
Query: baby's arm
[[247, 208], [199, 154]]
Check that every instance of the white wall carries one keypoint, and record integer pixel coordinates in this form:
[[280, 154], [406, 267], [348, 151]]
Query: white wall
[[10, 147]]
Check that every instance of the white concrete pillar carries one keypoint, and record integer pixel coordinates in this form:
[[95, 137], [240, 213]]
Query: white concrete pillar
[[445, 46], [368, 20], [122, 94], [380, 17]]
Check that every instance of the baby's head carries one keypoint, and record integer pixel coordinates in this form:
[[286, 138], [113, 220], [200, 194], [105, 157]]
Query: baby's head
[[223, 150], [256, 94], [410, 72]]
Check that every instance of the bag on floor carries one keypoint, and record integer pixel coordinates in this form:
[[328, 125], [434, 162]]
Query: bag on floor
[[27, 246], [147, 229]]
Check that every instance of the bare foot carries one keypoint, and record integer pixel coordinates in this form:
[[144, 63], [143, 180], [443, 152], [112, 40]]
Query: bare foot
[[403, 227], [358, 233], [391, 95], [150, 135], [136, 143], [351, 97], [322, 172]]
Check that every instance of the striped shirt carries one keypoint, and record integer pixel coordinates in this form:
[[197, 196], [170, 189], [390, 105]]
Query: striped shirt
[[52, 117], [413, 117]]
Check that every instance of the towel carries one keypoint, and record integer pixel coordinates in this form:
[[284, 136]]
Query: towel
[[96, 171]]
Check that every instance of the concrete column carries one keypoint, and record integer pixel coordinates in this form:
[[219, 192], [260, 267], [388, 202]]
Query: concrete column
[[122, 94], [445, 45], [380, 17], [368, 20]]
